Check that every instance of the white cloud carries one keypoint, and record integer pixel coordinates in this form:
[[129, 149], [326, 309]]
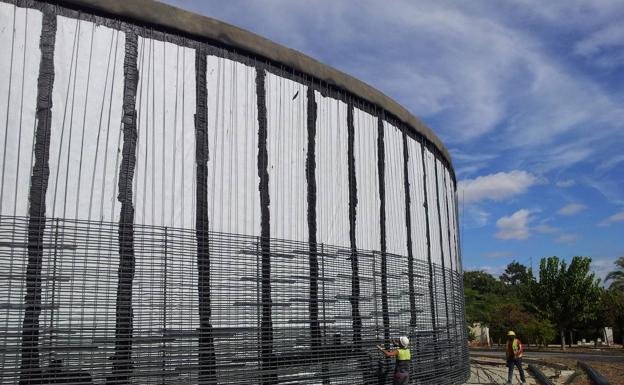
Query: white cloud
[[617, 217], [605, 47], [575, 14], [493, 270], [546, 229], [496, 187], [609, 187], [567, 238], [611, 162], [565, 183], [571, 209], [475, 217], [482, 70], [498, 254], [470, 163], [602, 266], [515, 226]]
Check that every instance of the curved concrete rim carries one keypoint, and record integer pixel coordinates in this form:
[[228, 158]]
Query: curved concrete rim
[[200, 27]]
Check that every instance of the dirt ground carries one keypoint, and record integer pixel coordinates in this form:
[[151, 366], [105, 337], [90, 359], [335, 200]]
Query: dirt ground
[[612, 371], [491, 371]]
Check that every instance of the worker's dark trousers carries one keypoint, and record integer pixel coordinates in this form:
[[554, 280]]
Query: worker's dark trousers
[[511, 362]]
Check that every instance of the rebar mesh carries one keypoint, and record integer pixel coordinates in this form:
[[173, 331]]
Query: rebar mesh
[[78, 281], [133, 156]]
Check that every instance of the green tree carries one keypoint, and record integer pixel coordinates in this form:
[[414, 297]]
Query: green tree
[[598, 315], [539, 332], [614, 309], [515, 274], [483, 282], [617, 276], [480, 306], [483, 292], [508, 316], [565, 294]]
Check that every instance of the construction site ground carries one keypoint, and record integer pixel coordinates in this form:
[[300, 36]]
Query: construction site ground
[[489, 370]]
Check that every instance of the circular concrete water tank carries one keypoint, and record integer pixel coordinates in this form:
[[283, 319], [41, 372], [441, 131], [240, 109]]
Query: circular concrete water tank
[[183, 201]]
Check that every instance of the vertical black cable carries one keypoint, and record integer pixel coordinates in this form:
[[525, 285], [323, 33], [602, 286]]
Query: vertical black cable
[[207, 370], [381, 169], [446, 304], [408, 222], [122, 364], [353, 201], [29, 365], [428, 236], [453, 273], [268, 375], [315, 331], [460, 275], [381, 165]]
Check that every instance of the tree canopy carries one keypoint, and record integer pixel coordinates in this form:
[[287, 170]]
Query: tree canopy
[[515, 274], [564, 296], [617, 276]]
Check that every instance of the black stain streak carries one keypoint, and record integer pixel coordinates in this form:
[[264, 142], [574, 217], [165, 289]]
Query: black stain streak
[[315, 331], [353, 201], [381, 164], [408, 222], [448, 333], [122, 358], [30, 366], [207, 358], [268, 359], [428, 236]]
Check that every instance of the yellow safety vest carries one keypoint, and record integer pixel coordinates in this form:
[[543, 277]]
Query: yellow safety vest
[[514, 349], [404, 355]]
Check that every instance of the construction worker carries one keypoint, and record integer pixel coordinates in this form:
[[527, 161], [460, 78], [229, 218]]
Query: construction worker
[[403, 359], [514, 356]]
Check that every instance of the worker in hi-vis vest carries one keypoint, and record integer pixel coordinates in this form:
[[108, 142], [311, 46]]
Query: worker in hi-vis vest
[[514, 356], [403, 359]]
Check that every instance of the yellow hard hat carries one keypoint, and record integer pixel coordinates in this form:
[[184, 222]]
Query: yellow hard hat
[[511, 333]]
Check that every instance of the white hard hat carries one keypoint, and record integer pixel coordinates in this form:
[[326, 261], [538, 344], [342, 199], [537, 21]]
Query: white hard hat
[[404, 341]]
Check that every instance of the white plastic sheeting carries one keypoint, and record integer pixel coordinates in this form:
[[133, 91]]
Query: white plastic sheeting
[[450, 196], [332, 199], [19, 69], [164, 190], [444, 222], [86, 115], [83, 158], [164, 181], [287, 148], [367, 225], [332, 172], [396, 227], [232, 184], [432, 209], [287, 142], [365, 151], [417, 201], [419, 231], [233, 200]]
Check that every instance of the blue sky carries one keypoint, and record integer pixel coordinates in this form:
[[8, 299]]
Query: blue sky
[[527, 95]]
